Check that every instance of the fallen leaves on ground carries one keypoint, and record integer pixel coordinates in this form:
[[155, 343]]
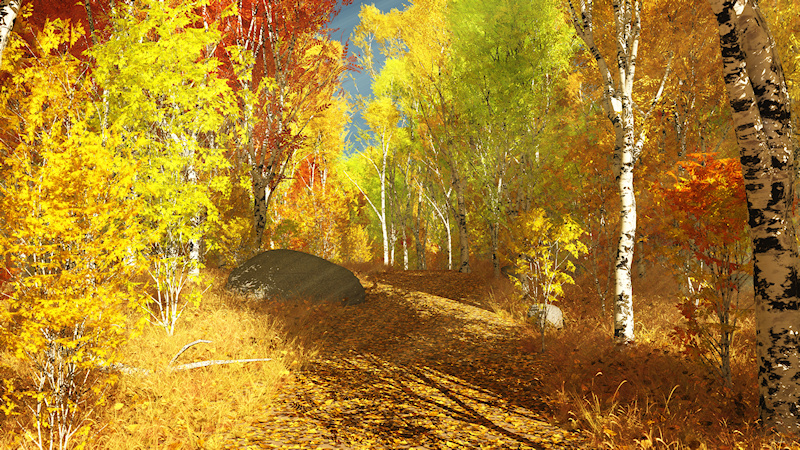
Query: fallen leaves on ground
[[409, 370]]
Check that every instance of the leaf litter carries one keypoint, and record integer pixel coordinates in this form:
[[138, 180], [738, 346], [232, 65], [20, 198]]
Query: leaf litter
[[419, 365]]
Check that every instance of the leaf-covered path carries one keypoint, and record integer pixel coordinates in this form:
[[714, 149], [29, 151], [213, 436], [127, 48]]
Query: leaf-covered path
[[411, 369]]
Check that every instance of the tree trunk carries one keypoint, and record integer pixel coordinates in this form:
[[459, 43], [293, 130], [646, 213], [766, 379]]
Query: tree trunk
[[8, 14], [381, 214], [494, 231], [623, 287], [405, 250], [418, 242], [392, 244], [619, 108], [384, 166], [762, 120], [461, 221], [444, 216], [260, 197]]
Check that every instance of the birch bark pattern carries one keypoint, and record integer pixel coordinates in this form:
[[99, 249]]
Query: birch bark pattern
[[618, 106], [762, 120], [8, 13]]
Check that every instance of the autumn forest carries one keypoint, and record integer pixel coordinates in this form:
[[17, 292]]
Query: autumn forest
[[630, 163]]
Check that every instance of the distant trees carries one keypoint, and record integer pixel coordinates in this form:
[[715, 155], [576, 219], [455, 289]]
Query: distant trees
[[507, 60], [472, 82], [284, 70], [216, 126]]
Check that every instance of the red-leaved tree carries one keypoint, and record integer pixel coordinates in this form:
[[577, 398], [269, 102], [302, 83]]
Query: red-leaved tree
[[709, 213], [285, 69]]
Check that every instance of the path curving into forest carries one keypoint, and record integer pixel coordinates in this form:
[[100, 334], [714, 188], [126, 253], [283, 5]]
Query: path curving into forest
[[410, 369]]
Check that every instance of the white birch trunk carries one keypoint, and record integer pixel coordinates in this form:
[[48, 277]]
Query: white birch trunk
[[8, 14], [762, 120], [619, 108], [445, 218], [460, 214], [260, 187], [623, 285], [418, 226], [384, 157], [191, 178], [381, 214], [405, 250]]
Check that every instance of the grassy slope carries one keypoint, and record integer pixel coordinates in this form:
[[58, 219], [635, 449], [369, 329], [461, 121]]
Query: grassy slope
[[646, 396]]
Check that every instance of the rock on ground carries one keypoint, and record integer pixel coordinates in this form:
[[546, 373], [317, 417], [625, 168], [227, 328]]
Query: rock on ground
[[552, 314], [289, 274]]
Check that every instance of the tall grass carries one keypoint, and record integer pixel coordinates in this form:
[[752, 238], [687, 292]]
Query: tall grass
[[647, 395], [153, 407]]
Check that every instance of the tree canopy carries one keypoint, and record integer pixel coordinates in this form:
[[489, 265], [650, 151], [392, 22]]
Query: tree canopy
[[150, 139]]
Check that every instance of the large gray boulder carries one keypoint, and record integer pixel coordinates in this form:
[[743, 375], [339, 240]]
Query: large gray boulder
[[289, 274], [551, 314]]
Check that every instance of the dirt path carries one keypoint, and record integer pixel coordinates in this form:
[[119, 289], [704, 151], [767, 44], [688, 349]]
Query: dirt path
[[412, 370]]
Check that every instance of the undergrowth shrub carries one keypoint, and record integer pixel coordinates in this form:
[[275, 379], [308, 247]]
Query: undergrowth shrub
[[646, 395], [543, 253], [151, 406]]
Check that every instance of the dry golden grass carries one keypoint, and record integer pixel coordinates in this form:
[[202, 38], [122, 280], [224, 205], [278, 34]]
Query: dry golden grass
[[648, 395], [198, 408], [205, 407]]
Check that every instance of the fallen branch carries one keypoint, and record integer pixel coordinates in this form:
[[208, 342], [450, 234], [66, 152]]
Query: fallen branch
[[195, 365], [129, 370], [186, 347]]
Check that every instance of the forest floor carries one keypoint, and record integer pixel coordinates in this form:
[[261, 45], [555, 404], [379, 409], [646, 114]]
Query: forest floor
[[422, 364]]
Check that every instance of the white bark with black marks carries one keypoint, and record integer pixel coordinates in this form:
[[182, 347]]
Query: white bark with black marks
[[762, 121], [8, 14], [619, 108]]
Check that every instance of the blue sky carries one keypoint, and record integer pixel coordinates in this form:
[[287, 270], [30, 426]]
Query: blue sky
[[346, 21]]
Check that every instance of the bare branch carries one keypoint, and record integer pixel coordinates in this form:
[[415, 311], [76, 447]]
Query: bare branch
[[215, 362], [186, 347]]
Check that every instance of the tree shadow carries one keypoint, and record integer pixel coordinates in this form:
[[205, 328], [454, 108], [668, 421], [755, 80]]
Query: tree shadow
[[401, 367]]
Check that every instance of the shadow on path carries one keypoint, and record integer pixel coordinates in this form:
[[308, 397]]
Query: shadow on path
[[407, 369]]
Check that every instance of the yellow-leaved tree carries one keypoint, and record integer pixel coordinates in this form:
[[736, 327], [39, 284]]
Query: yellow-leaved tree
[[543, 253], [65, 206], [160, 87]]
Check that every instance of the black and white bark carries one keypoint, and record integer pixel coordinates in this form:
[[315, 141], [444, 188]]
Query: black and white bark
[[620, 108], [8, 14], [443, 215], [382, 168], [460, 213], [420, 231], [762, 120]]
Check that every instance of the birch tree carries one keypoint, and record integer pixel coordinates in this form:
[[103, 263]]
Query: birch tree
[[284, 70], [762, 119], [8, 14], [381, 116], [620, 108], [164, 95], [505, 56]]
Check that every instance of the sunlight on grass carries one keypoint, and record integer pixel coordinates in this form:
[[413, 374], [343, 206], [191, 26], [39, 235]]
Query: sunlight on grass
[[648, 395], [202, 407], [154, 407]]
